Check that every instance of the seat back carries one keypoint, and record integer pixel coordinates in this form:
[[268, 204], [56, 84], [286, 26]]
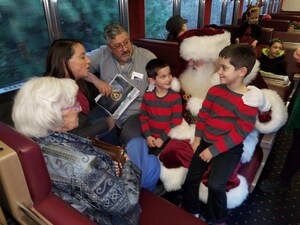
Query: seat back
[[32, 161], [287, 36], [277, 24], [165, 50]]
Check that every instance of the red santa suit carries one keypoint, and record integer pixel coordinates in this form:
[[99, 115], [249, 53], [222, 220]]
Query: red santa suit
[[202, 46]]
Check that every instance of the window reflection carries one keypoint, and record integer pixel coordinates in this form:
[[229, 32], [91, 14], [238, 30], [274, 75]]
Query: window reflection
[[216, 9], [229, 11], [86, 19], [189, 11], [157, 12], [24, 42]]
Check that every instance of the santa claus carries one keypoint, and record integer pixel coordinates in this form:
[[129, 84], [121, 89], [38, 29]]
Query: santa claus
[[199, 50]]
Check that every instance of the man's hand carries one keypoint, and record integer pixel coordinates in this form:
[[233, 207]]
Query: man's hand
[[158, 142], [150, 141], [256, 98], [206, 155], [101, 85]]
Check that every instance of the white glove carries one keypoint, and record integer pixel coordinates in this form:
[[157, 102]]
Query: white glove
[[255, 97]]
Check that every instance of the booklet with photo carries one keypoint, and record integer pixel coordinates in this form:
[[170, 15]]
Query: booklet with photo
[[122, 94]]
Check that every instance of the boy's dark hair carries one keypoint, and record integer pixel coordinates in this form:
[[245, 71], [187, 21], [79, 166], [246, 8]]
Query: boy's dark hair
[[153, 66], [240, 55], [274, 40]]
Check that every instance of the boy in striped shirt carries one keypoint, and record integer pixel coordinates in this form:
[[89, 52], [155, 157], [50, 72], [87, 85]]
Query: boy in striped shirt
[[224, 121], [161, 109]]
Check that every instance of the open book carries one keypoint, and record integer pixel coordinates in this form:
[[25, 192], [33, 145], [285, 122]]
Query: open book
[[122, 94]]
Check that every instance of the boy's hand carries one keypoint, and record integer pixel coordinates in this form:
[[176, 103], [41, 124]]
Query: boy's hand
[[254, 43], [158, 142], [150, 141], [206, 155], [195, 143]]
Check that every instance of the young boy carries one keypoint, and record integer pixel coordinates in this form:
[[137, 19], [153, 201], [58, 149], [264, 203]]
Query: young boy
[[161, 109], [223, 123], [272, 59]]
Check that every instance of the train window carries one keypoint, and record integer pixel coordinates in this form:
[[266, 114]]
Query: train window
[[157, 12], [189, 11], [229, 12], [216, 8], [24, 42], [249, 2], [86, 19]]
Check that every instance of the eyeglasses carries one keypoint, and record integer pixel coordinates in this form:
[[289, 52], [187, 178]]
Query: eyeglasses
[[76, 106], [119, 47]]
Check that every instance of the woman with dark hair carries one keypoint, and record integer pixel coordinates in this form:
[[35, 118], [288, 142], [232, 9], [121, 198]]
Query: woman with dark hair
[[67, 59]]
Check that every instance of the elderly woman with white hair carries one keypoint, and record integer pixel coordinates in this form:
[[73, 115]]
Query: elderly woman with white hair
[[45, 109]]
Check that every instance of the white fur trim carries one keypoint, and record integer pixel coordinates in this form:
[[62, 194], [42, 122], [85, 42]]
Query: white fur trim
[[175, 84], [204, 47], [194, 105], [173, 178], [215, 79], [252, 75], [183, 131], [235, 196], [249, 146], [279, 114]]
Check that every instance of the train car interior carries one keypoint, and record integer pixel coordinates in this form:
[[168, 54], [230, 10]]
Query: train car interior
[[28, 29]]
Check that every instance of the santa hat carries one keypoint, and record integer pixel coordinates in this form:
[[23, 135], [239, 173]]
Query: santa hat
[[203, 44]]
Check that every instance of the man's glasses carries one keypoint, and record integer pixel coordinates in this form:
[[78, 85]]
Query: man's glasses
[[119, 47]]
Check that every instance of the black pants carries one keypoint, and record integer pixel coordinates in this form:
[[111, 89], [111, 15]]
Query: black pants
[[292, 162], [130, 128], [222, 166]]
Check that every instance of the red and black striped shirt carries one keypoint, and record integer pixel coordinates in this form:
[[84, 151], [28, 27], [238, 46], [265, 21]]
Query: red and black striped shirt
[[224, 120], [160, 115]]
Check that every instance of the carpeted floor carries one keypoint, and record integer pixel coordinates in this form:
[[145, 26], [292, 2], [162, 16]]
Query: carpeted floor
[[278, 208]]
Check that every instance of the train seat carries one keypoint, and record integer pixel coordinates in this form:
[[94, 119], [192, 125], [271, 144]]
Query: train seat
[[25, 190], [166, 50], [276, 24], [267, 32], [287, 36], [282, 16]]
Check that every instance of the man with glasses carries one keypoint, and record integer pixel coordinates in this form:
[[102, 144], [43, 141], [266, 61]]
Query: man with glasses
[[120, 56]]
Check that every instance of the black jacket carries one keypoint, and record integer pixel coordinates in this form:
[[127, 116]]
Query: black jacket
[[277, 65]]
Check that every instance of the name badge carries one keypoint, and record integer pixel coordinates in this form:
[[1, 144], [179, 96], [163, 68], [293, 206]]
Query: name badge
[[137, 75]]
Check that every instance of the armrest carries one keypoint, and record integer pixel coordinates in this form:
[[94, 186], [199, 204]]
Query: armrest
[[2, 217], [266, 145], [33, 215], [296, 80], [12, 178]]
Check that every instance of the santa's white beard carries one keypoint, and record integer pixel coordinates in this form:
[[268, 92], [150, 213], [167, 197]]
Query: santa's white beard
[[197, 81]]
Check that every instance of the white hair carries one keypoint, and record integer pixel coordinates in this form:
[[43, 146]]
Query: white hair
[[38, 104]]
